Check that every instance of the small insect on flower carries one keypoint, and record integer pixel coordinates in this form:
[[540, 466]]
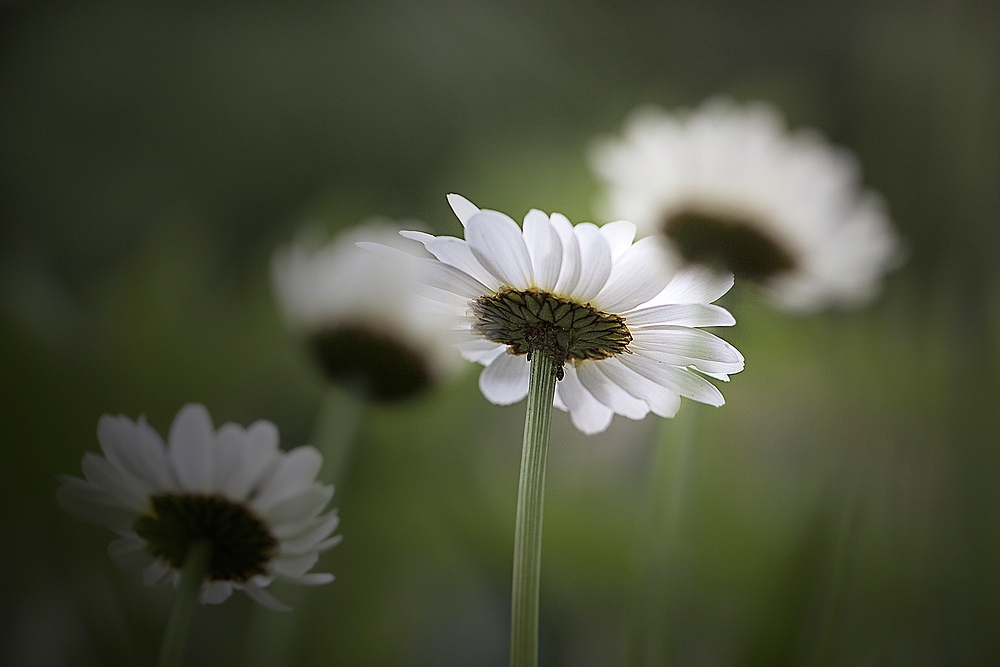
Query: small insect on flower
[[730, 188], [619, 318], [260, 510]]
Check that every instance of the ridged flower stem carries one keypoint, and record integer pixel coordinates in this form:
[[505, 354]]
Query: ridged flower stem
[[193, 573], [530, 497]]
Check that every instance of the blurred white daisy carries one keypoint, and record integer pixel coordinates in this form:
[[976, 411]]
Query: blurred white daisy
[[731, 188], [358, 312], [619, 322], [260, 509]]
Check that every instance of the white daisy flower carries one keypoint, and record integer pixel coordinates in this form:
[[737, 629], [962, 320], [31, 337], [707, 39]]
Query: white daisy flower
[[731, 188], [358, 312], [259, 508], [619, 322]]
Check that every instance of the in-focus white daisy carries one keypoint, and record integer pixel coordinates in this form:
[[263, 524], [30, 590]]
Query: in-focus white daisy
[[358, 312], [619, 322], [259, 508], [731, 188]]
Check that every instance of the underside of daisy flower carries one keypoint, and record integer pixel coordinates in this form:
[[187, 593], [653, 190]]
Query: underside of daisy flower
[[380, 364], [227, 499], [735, 243], [357, 312], [616, 318], [241, 546], [732, 188], [530, 321]]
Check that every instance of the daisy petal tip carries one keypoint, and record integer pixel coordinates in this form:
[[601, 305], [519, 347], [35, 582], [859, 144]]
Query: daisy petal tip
[[463, 208], [415, 235]]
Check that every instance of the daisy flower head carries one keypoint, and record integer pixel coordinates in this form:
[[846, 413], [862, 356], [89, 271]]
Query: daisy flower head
[[259, 509], [358, 313], [618, 320], [730, 188]]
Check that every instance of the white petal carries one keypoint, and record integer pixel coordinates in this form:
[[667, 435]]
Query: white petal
[[294, 566], [136, 448], [609, 393], [684, 382], [328, 543], [619, 236], [484, 356], [680, 314], [683, 346], [462, 207], [569, 272], [303, 505], [435, 273], [695, 284], [545, 249], [119, 484], [595, 262], [215, 592], [263, 598], [129, 554], [706, 366], [505, 381], [228, 454], [497, 243], [315, 532], [157, 573], [191, 439], [455, 252], [296, 470], [259, 455], [85, 501], [587, 413], [312, 578], [661, 400], [639, 274], [478, 345]]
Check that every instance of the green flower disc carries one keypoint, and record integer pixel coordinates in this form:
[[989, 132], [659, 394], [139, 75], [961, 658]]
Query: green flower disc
[[242, 545], [532, 320], [732, 243]]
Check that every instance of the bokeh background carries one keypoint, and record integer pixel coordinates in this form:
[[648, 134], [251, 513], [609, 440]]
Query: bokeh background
[[841, 509]]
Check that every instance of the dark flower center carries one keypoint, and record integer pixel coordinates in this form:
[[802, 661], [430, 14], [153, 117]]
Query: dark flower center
[[380, 364], [733, 243], [241, 543], [532, 320]]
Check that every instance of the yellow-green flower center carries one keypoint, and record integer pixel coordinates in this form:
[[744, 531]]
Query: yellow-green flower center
[[242, 545], [532, 320], [734, 243]]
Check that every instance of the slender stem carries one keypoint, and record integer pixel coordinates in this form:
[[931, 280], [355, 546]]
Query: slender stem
[[335, 430], [192, 575], [528, 530]]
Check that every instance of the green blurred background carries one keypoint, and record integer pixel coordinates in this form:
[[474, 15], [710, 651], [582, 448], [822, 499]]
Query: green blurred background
[[842, 508]]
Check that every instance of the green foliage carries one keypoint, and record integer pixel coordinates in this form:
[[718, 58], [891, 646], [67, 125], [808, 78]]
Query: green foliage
[[840, 509]]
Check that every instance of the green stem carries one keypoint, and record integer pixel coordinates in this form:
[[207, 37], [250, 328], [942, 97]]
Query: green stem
[[336, 429], [192, 575], [528, 530]]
